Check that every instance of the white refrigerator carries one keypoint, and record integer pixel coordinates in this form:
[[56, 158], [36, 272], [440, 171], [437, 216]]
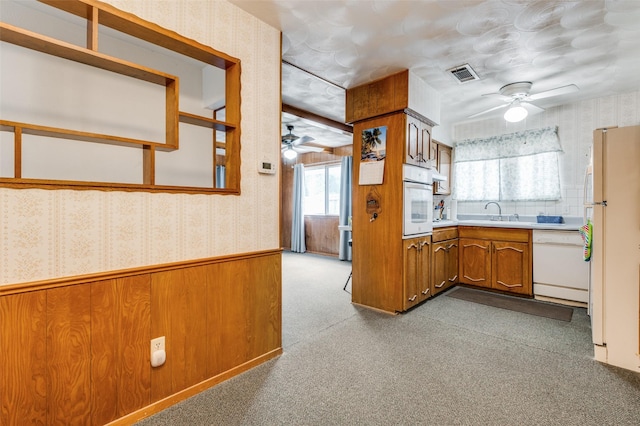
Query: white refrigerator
[[612, 200]]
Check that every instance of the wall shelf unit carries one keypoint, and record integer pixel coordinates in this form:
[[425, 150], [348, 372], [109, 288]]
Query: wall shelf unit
[[98, 14]]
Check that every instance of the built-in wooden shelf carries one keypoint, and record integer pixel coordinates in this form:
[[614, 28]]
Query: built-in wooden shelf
[[97, 13], [209, 123], [55, 132]]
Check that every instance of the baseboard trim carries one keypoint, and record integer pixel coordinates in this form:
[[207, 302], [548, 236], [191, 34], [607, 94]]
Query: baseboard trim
[[375, 309], [171, 400]]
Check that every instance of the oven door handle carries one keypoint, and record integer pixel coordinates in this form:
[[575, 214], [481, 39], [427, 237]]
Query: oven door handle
[[417, 185]]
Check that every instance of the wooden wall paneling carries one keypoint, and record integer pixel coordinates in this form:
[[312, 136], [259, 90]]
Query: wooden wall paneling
[[188, 332], [104, 352], [264, 302], [161, 380], [69, 354], [322, 234], [134, 368], [23, 393], [225, 317]]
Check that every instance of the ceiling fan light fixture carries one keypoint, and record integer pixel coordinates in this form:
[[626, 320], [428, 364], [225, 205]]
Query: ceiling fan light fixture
[[515, 113], [289, 153]]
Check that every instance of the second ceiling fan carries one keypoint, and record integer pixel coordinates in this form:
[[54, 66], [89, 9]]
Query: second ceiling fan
[[292, 144]]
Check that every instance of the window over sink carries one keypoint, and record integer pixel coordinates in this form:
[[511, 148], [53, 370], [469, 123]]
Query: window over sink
[[515, 167]]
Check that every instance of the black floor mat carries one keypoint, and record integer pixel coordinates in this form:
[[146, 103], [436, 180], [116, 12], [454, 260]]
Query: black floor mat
[[527, 306]]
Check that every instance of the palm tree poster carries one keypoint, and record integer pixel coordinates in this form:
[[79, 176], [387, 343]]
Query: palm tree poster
[[372, 154], [374, 144]]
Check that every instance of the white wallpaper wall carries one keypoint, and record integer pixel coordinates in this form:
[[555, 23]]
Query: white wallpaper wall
[[576, 123], [49, 234]]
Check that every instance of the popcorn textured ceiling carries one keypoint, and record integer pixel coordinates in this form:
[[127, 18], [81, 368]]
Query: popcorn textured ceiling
[[593, 44]]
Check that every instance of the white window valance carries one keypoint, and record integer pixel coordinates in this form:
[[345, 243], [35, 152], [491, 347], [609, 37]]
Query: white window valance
[[528, 142]]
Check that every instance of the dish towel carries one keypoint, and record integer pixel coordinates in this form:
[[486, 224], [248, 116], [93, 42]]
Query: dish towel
[[586, 232]]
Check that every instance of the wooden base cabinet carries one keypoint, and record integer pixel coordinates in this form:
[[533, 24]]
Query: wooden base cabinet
[[416, 278], [496, 258], [444, 259]]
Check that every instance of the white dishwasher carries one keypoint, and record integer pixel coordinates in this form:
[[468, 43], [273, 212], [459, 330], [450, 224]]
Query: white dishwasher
[[559, 269]]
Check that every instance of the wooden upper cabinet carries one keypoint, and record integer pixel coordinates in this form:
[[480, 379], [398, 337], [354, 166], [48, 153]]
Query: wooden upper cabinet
[[443, 164], [418, 142], [400, 92], [412, 148]]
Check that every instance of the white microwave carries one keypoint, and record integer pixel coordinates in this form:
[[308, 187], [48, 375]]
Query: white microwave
[[417, 210]]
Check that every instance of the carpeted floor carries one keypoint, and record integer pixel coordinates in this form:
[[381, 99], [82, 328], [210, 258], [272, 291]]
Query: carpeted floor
[[447, 362]]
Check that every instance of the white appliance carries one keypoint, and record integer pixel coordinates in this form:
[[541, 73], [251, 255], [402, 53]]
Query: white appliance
[[613, 203], [559, 270], [417, 210]]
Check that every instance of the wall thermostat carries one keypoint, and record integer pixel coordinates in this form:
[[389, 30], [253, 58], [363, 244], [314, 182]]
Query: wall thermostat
[[266, 167]]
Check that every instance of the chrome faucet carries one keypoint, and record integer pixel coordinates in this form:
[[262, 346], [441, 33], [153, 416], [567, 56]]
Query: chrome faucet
[[499, 209]]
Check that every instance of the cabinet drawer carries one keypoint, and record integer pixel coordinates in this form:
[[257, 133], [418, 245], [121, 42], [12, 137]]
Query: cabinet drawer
[[496, 234], [443, 234]]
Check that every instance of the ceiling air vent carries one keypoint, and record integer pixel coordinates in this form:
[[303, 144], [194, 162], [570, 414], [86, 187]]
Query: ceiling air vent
[[463, 73]]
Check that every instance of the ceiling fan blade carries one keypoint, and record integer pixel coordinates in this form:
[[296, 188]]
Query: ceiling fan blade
[[308, 148], [488, 110], [531, 108], [303, 140], [555, 92], [498, 96]]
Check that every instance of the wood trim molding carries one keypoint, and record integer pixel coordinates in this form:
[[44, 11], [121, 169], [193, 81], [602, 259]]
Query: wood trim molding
[[8, 289], [315, 117]]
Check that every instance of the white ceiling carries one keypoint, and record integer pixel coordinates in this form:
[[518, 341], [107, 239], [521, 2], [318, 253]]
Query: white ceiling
[[594, 44]]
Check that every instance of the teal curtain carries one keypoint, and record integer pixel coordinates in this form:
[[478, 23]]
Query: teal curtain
[[297, 224], [220, 177], [346, 173]]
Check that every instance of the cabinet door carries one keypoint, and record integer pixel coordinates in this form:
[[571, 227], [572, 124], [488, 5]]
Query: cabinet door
[[439, 266], [452, 263], [424, 279], [411, 273], [413, 141], [425, 144], [433, 151], [510, 266], [444, 168], [475, 262]]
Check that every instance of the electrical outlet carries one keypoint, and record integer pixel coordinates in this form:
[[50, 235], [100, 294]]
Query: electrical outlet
[[157, 344]]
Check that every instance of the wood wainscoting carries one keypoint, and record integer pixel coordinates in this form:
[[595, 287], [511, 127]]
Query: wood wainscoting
[[77, 350]]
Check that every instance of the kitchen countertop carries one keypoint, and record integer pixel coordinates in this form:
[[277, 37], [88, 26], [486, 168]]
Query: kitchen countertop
[[526, 222]]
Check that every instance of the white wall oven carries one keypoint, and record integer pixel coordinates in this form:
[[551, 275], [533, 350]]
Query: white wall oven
[[417, 208]]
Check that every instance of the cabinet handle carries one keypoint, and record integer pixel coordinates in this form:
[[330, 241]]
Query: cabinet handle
[[425, 291], [454, 278], [509, 285], [474, 279], [441, 284], [411, 299]]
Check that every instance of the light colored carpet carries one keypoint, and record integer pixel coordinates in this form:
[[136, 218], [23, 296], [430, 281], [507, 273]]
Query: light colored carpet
[[447, 362]]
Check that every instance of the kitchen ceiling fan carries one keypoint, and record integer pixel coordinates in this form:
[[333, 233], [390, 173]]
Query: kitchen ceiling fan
[[291, 144], [518, 98]]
